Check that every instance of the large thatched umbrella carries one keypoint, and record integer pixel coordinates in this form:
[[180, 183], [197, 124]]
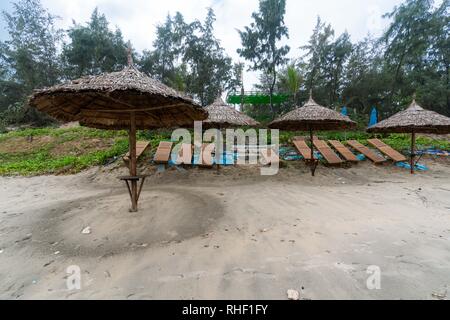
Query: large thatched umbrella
[[222, 115], [312, 117], [119, 100], [413, 120]]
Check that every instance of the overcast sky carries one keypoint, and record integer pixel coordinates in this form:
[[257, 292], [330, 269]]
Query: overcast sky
[[137, 18]]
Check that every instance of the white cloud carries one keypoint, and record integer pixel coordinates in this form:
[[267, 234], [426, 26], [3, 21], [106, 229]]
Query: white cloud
[[137, 18]]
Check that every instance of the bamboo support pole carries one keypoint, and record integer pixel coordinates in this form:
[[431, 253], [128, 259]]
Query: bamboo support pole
[[133, 166]]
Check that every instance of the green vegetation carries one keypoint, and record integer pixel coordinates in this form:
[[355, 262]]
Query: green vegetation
[[60, 151]]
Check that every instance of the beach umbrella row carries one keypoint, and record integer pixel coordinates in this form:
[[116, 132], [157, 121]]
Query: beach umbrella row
[[414, 119], [311, 117], [127, 99]]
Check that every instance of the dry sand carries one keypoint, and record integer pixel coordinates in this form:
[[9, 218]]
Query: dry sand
[[230, 234]]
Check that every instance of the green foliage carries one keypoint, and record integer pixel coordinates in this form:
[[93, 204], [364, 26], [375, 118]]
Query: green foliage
[[93, 48], [189, 57], [29, 57], [40, 160], [412, 56], [260, 41]]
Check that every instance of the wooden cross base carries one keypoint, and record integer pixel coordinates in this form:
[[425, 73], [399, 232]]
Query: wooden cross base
[[134, 180]]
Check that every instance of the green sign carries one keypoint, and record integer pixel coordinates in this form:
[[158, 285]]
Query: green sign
[[256, 98]]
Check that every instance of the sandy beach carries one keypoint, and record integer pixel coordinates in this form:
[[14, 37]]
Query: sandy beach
[[229, 234]]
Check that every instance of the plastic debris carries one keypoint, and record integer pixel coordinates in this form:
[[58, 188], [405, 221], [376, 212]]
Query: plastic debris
[[439, 295], [361, 157], [86, 230], [293, 294], [57, 252], [406, 165], [434, 151]]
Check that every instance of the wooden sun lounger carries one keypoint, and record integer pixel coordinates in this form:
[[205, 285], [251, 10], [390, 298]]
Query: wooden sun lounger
[[366, 151], [162, 154], [387, 150], [269, 156], [185, 154], [343, 151], [327, 152], [304, 138], [141, 146], [303, 148]]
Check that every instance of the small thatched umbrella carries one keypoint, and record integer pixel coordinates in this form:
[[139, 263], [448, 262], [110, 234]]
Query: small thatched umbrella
[[222, 115], [312, 117], [119, 100], [413, 120]]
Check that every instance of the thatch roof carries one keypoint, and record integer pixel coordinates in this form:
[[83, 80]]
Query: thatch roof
[[312, 116], [222, 115], [416, 119], [105, 101]]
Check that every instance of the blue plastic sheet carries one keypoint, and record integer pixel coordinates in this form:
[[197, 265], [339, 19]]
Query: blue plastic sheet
[[406, 165], [373, 117], [433, 151], [361, 157]]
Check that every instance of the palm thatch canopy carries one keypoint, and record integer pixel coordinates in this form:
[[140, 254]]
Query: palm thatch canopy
[[106, 101], [222, 115], [312, 117], [414, 119]]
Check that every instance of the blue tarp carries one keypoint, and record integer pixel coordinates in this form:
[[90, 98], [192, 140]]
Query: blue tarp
[[433, 151], [406, 165], [373, 117], [361, 157], [344, 111]]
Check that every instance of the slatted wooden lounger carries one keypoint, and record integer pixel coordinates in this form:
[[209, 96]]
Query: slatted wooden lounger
[[343, 151], [303, 138], [387, 150], [303, 148], [329, 155], [366, 151], [185, 154], [162, 154], [141, 146], [269, 156]]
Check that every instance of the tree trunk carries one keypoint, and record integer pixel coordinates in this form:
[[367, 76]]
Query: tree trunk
[[272, 87]]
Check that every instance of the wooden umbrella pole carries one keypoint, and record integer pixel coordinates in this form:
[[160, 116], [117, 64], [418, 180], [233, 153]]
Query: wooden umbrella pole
[[313, 162], [413, 147], [133, 170]]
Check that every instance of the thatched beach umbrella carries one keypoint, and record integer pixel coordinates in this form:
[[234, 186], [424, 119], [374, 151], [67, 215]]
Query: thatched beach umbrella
[[119, 100], [222, 115], [413, 120], [312, 117]]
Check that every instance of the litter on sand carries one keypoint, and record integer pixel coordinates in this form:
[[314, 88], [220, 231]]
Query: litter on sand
[[406, 165], [434, 152], [361, 157], [293, 294]]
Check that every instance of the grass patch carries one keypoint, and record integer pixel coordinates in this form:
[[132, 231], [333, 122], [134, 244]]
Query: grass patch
[[58, 150]]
